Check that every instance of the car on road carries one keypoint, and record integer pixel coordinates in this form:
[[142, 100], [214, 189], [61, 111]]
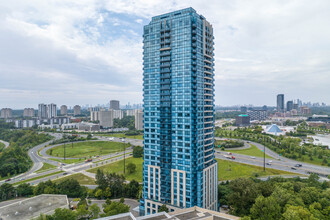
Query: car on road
[[293, 168], [111, 138], [232, 157], [253, 157], [270, 161], [65, 173], [269, 164], [88, 160], [298, 165], [229, 153], [7, 180]]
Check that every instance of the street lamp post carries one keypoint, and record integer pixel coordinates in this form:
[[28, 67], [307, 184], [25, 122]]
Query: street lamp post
[[264, 158], [124, 154], [64, 150]]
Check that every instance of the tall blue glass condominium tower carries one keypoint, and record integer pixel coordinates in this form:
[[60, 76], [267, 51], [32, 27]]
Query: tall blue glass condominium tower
[[179, 168]]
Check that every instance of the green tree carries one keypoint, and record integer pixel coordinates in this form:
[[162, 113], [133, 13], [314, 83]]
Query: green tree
[[297, 213], [114, 208], [265, 209], [63, 214], [131, 168], [137, 151], [71, 188], [244, 193], [24, 189], [100, 179], [163, 208]]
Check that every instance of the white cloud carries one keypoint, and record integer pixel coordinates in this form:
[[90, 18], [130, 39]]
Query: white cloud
[[91, 51]]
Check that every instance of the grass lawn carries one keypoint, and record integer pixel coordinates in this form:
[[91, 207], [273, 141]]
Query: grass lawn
[[2, 146], [46, 166], [36, 178], [87, 149], [81, 178], [316, 160], [118, 167], [120, 135], [228, 170], [251, 151]]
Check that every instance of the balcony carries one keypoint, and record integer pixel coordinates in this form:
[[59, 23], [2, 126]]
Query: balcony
[[165, 53], [165, 70]]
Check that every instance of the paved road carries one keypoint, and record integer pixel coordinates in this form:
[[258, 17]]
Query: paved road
[[278, 162], [5, 143], [275, 164]]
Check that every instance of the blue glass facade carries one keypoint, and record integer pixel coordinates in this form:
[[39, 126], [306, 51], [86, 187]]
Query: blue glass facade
[[178, 92]]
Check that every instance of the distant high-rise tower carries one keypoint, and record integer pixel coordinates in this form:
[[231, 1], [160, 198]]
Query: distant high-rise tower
[[289, 105], [114, 104], [179, 168], [42, 111], [6, 113], [76, 110], [28, 112], [64, 110], [280, 102], [51, 111]]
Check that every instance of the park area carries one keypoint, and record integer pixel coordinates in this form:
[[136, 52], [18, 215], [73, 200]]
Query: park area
[[81, 178], [118, 167], [251, 151], [227, 170], [87, 149]]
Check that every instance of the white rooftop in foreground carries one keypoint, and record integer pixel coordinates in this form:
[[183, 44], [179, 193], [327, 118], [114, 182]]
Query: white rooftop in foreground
[[32, 207], [183, 214]]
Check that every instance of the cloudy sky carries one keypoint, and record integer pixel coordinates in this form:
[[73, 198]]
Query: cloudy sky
[[88, 52]]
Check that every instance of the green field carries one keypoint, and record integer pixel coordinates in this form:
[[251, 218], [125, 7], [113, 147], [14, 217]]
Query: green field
[[36, 178], [81, 178], [251, 151], [87, 149], [121, 135], [228, 170], [118, 167], [46, 166]]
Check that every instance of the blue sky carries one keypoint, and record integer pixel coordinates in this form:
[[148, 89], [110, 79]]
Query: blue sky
[[88, 52]]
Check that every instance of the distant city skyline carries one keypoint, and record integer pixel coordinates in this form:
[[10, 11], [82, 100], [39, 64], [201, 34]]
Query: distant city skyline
[[94, 52]]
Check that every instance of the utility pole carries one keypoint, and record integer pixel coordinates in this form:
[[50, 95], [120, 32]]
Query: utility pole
[[124, 154], [264, 158], [64, 150]]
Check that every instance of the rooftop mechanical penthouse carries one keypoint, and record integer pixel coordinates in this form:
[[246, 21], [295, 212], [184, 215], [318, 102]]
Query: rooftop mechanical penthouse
[[178, 87]]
